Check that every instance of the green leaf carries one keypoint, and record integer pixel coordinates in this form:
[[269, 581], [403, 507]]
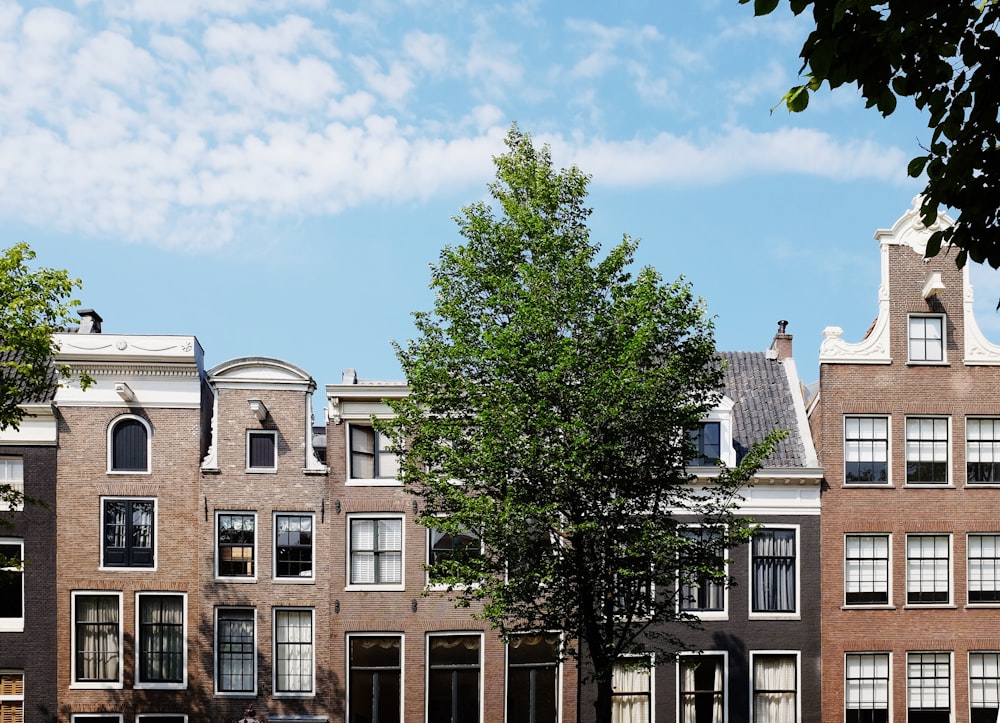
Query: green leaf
[[764, 7], [916, 166], [797, 99]]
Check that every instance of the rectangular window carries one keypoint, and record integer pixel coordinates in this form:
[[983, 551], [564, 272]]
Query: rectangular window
[[866, 570], [162, 640], [984, 568], [774, 571], [293, 652], [866, 450], [97, 639], [236, 650], [12, 475], [453, 665], [11, 585], [11, 696], [706, 438], [129, 527], [984, 687], [376, 551], [928, 565], [293, 546], [94, 718], [533, 678], [982, 451], [237, 543], [262, 446], [866, 687], [928, 688], [775, 688], [700, 591], [926, 450], [161, 718], [926, 338], [371, 454], [445, 545], [374, 692], [703, 688]]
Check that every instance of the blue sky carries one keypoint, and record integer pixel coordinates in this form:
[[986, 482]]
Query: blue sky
[[275, 177]]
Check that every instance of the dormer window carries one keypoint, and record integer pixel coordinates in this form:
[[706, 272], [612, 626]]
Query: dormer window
[[128, 445], [712, 438], [926, 338], [706, 439]]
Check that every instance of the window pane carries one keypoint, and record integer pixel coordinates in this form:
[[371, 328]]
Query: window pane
[[866, 450], [774, 571], [866, 569], [982, 450], [11, 588], [97, 638], [161, 638], [928, 686], [866, 687], [453, 679], [235, 651], [702, 689], [293, 542], [374, 679], [262, 453], [775, 687], [927, 569], [926, 450], [533, 679], [293, 651], [128, 446], [237, 534]]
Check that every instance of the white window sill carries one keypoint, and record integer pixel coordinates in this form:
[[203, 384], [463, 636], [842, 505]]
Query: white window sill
[[775, 616], [96, 686], [129, 471], [311, 694], [124, 568], [236, 580], [869, 606], [867, 485], [293, 580], [12, 625], [236, 694], [928, 485], [374, 587], [160, 686], [261, 470], [373, 482], [930, 606]]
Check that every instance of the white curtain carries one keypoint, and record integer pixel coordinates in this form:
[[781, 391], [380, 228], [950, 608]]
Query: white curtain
[[295, 653], [774, 689], [693, 697], [774, 571], [630, 703], [376, 551], [98, 653], [161, 641]]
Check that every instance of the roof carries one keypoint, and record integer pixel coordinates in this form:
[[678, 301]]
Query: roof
[[50, 393], [763, 401]]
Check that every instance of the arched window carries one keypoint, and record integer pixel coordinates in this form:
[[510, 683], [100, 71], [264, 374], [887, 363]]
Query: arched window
[[129, 442]]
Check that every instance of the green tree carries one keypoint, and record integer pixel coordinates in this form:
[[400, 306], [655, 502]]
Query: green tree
[[945, 55], [552, 395]]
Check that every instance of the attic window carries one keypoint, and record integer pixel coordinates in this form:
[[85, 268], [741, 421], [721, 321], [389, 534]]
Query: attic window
[[926, 338], [707, 443]]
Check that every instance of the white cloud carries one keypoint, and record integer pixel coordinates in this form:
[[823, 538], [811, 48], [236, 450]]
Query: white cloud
[[393, 86], [429, 50]]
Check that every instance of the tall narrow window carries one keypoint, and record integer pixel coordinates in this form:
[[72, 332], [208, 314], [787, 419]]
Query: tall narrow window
[[235, 650], [707, 443], [775, 688], [12, 696], [374, 691], [533, 678], [237, 537], [376, 551], [866, 569], [11, 476], [928, 564], [926, 450], [128, 533], [129, 440], [866, 450], [293, 543], [262, 454], [700, 591], [453, 670], [161, 639], [97, 638], [11, 585], [773, 569], [982, 450], [928, 687], [371, 454], [984, 568], [984, 687], [702, 689], [293, 652], [926, 338], [866, 687]]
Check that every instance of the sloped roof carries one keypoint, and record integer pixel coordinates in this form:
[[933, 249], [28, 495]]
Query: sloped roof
[[763, 401], [50, 394]]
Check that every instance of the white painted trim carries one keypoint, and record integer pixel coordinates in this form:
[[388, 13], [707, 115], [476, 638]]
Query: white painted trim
[[347, 667], [137, 685], [274, 652], [215, 654], [100, 685], [376, 586]]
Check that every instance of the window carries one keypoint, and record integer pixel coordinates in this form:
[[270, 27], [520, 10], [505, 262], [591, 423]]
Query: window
[[293, 651], [293, 543], [926, 450], [775, 688], [453, 664], [982, 450], [928, 687], [11, 696], [533, 678], [161, 718], [128, 532], [376, 551], [773, 569], [97, 640], [11, 586], [866, 570], [447, 545], [262, 451], [374, 693], [701, 592], [702, 695], [984, 568], [926, 338], [866, 450], [984, 687], [866, 687], [371, 454], [128, 445], [236, 650], [928, 562], [237, 543], [11, 475], [707, 443], [162, 640], [92, 718]]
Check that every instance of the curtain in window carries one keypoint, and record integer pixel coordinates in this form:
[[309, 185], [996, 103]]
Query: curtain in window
[[294, 651], [236, 650], [696, 694], [774, 689], [97, 651], [630, 703], [161, 638], [376, 555], [774, 571], [362, 452], [867, 682]]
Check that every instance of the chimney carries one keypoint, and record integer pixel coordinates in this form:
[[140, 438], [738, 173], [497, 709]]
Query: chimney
[[781, 346], [350, 376], [90, 322]]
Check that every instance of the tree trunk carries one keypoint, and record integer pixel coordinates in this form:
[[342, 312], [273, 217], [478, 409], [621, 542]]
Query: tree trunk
[[602, 705]]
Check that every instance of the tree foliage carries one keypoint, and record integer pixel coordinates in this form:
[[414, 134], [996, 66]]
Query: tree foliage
[[552, 392], [945, 56]]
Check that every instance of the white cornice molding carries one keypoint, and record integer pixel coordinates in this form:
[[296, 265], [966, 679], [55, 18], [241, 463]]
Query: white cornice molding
[[113, 348], [367, 399], [979, 351]]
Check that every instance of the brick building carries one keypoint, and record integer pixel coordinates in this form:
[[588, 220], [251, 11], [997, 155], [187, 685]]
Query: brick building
[[907, 424]]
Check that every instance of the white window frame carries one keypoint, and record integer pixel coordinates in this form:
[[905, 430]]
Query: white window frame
[[215, 653], [969, 669], [482, 666], [402, 667], [993, 441], [782, 615], [275, 612], [888, 450], [74, 717], [353, 481], [558, 668], [76, 684], [110, 444], [888, 679], [797, 656], [679, 703], [968, 569], [156, 536], [12, 473], [291, 579], [256, 546], [950, 569], [182, 685], [888, 569], [427, 560], [722, 414], [941, 318], [273, 434], [143, 717], [15, 625], [376, 586], [947, 447], [951, 678], [703, 614]]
